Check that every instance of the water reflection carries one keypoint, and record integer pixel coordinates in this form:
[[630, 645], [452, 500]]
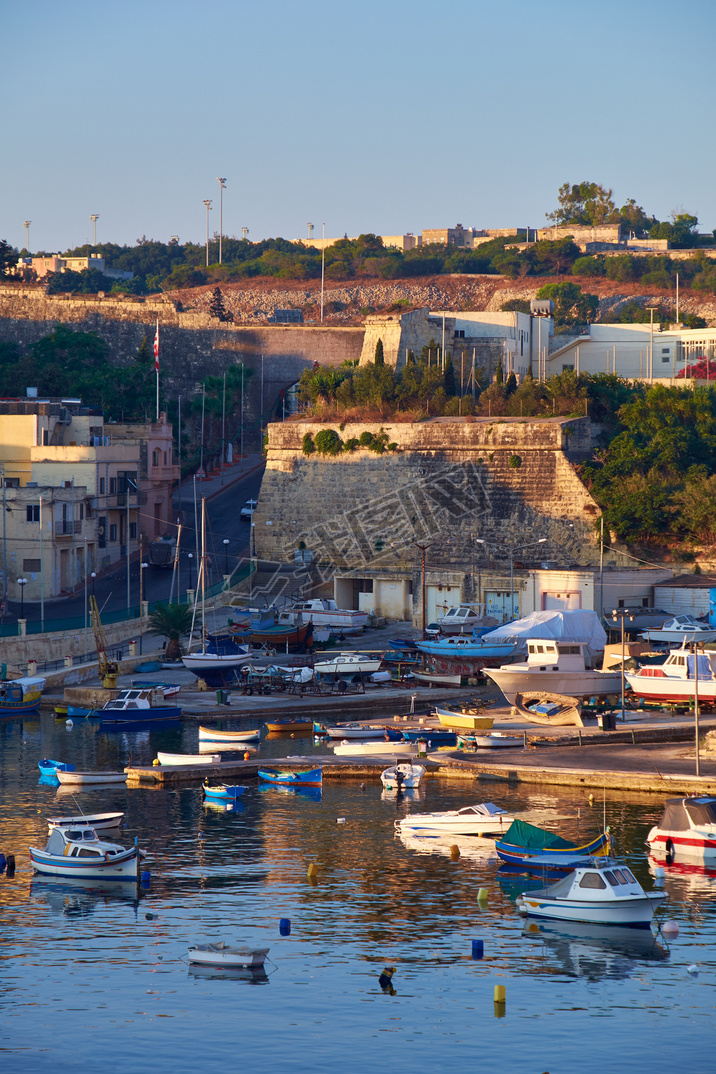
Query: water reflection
[[77, 898], [247, 974], [471, 847], [596, 951], [314, 793]]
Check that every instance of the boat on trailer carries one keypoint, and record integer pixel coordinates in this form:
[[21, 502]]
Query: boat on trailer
[[602, 892]]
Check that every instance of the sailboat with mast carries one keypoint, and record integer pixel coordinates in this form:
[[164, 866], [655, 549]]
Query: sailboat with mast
[[215, 667]]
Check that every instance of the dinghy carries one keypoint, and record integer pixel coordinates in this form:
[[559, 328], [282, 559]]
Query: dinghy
[[187, 758], [91, 777], [312, 777], [221, 954], [98, 821], [403, 776], [213, 734], [51, 768], [222, 791]]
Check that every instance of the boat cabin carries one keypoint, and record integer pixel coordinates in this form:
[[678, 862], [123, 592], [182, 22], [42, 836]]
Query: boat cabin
[[599, 882], [463, 613], [680, 665], [546, 655], [687, 814], [79, 843], [131, 699]]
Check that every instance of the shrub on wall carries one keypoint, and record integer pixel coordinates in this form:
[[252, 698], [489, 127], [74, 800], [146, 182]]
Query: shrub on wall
[[328, 442], [515, 462], [307, 445], [365, 439]]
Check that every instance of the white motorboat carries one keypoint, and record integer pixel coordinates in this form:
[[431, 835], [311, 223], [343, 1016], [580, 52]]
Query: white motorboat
[[402, 776], [603, 893], [213, 734], [208, 661], [484, 819], [135, 706], [680, 629], [221, 954], [91, 777], [79, 853], [326, 613], [557, 667], [348, 664], [376, 749], [686, 831], [355, 730], [166, 689], [465, 618], [187, 758], [99, 821], [675, 679], [495, 740]]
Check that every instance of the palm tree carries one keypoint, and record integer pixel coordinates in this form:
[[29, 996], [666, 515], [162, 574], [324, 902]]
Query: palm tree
[[171, 620]]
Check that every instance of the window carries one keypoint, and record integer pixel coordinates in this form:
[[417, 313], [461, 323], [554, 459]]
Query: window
[[112, 486], [664, 350], [592, 880], [165, 458], [33, 512], [82, 511], [101, 486], [132, 531], [12, 482], [665, 357], [31, 566], [155, 458], [459, 333], [113, 532], [566, 368]]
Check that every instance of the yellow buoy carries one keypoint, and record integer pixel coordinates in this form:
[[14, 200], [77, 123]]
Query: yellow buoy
[[482, 895], [312, 869], [500, 994], [155, 761], [455, 852]]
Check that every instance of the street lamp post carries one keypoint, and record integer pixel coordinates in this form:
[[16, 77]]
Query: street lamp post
[[190, 557], [22, 582], [93, 576], [142, 567], [222, 185], [423, 548], [225, 543], [622, 614], [519, 548], [207, 202]]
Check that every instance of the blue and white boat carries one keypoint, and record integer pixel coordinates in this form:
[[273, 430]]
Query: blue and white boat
[[601, 892], [312, 777], [79, 853], [462, 647], [222, 791], [434, 736], [536, 850]]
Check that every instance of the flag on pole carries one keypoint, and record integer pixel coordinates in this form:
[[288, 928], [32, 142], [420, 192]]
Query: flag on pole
[[156, 348]]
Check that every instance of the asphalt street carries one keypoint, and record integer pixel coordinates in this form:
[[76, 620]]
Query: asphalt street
[[222, 523]]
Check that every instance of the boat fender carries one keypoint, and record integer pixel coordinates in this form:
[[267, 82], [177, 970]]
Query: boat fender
[[482, 895], [10, 866], [146, 879], [284, 926], [670, 852], [478, 949], [386, 980]]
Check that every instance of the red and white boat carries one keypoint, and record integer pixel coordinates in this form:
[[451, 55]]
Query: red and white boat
[[687, 830], [675, 679]]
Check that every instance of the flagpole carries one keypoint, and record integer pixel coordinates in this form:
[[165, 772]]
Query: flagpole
[[156, 363]]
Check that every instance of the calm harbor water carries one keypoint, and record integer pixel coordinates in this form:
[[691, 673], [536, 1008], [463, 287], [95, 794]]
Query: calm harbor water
[[97, 977]]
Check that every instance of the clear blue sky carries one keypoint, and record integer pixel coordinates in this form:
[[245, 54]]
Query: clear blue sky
[[383, 116]]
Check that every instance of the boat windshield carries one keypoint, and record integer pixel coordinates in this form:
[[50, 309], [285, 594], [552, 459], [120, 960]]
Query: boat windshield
[[591, 880], [702, 811]]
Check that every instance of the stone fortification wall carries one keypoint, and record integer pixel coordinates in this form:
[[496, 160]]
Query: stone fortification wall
[[449, 483], [193, 344]]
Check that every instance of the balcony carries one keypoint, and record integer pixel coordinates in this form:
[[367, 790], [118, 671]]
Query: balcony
[[68, 528]]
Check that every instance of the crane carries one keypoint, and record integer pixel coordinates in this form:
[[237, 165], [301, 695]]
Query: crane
[[108, 669]]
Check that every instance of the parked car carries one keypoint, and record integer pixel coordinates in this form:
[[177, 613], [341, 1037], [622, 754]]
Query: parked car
[[247, 510]]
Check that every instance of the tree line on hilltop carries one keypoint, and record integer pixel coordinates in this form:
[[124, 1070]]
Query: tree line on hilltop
[[171, 266]]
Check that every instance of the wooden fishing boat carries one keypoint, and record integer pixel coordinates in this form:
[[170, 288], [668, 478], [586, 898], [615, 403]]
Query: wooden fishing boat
[[353, 748], [402, 776], [541, 706], [355, 730], [434, 736], [223, 791], [187, 758], [312, 777], [221, 954], [435, 678], [286, 724], [534, 849], [79, 853], [91, 777], [213, 734], [51, 768], [20, 695], [98, 821], [602, 892]]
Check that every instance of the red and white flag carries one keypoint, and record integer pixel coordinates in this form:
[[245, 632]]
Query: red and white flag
[[156, 348]]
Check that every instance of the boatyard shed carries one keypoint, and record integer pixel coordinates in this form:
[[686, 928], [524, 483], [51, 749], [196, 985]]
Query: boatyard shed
[[689, 594]]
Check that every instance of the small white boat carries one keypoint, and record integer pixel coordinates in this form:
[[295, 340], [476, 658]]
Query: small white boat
[[436, 678], [686, 831], [79, 853], [375, 749], [495, 740], [221, 954], [603, 893], [187, 758], [166, 689], [355, 730], [675, 679], [402, 776], [91, 777], [483, 820], [555, 666], [680, 629], [348, 664], [213, 734], [99, 821], [326, 613], [464, 618]]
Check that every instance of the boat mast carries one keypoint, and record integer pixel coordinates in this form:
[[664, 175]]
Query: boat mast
[[203, 574]]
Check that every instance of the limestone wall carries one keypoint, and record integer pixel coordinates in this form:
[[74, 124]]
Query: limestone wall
[[450, 483]]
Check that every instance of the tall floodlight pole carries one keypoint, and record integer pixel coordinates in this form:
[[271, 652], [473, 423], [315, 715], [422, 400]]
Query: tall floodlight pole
[[207, 202], [94, 218], [26, 226], [244, 232], [222, 185], [310, 230], [323, 267], [223, 428]]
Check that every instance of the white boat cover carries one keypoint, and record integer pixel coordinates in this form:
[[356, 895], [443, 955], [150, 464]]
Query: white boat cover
[[581, 626]]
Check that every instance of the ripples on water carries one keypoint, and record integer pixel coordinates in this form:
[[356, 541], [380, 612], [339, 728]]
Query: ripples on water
[[93, 978]]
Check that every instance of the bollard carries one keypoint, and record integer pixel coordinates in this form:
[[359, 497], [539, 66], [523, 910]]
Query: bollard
[[284, 926], [478, 949]]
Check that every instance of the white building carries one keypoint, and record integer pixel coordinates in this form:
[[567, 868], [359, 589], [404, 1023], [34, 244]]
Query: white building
[[633, 351]]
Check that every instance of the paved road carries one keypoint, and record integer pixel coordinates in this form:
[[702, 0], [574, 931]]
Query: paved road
[[223, 522]]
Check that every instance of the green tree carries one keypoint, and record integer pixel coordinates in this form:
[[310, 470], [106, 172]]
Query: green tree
[[8, 257], [217, 308], [449, 378], [584, 203], [379, 357], [571, 305], [172, 621]]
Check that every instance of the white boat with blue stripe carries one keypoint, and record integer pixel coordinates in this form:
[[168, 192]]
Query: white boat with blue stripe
[[79, 852]]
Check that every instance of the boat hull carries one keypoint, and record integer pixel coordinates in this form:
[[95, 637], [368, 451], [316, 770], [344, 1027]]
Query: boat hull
[[463, 721], [374, 749], [574, 683], [99, 821], [402, 777], [91, 777], [685, 845], [187, 758], [208, 734], [311, 778], [230, 957], [636, 911], [224, 793], [665, 688], [362, 733], [121, 867], [288, 726], [439, 824]]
